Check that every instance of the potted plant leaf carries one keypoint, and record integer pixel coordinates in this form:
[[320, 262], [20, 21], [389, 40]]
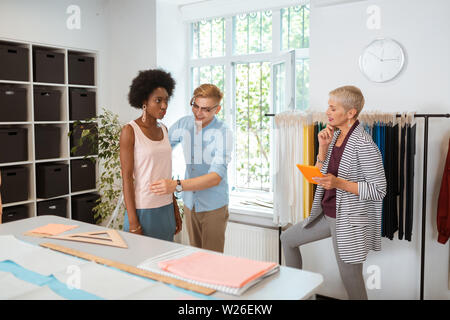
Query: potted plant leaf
[[103, 139]]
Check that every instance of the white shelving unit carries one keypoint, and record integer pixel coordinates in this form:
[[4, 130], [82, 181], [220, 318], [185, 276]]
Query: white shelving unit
[[63, 124]]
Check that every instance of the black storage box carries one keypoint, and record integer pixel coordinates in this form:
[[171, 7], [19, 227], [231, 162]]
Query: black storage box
[[48, 66], [87, 148], [82, 206], [15, 213], [13, 144], [47, 142], [15, 184], [56, 207], [13, 104], [47, 105], [81, 104], [81, 70], [14, 63], [82, 175], [52, 180]]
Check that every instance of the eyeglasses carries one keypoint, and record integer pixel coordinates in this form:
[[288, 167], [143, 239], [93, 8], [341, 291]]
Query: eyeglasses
[[197, 108]]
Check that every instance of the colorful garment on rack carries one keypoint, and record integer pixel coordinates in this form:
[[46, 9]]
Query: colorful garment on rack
[[397, 144]]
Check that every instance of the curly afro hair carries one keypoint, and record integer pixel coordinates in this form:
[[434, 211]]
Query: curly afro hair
[[146, 82]]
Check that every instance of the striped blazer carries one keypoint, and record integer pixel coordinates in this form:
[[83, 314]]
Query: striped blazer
[[358, 218]]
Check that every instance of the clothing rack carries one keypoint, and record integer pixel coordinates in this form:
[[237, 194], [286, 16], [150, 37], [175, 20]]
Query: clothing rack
[[426, 117]]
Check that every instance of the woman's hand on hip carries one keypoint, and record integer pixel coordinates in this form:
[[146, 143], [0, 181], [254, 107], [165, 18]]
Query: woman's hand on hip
[[328, 181], [164, 186]]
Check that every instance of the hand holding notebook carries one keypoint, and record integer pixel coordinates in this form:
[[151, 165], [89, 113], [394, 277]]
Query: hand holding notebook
[[310, 172]]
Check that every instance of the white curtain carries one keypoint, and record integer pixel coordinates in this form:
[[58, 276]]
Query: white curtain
[[288, 187]]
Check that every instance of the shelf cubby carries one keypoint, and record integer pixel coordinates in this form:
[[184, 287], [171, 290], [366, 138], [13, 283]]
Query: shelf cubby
[[43, 76]]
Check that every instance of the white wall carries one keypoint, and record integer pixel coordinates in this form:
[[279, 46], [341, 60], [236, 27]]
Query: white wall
[[338, 35], [172, 56], [132, 47]]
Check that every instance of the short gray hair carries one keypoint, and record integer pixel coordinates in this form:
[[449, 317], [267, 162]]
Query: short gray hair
[[350, 97]]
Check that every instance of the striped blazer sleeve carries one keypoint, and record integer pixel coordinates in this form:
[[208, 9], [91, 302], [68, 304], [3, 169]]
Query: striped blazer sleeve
[[374, 185]]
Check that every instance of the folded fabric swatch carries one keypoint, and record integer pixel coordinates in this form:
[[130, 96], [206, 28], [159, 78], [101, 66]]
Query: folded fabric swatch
[[53, 229], [217, 269]]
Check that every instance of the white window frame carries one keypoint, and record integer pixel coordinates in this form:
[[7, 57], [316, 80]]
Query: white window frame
[[229, 60]]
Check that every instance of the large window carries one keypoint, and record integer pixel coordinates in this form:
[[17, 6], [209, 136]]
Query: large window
[[243, 55]]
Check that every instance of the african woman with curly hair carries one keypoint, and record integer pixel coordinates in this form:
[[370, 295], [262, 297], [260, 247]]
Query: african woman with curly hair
[[146, 156]]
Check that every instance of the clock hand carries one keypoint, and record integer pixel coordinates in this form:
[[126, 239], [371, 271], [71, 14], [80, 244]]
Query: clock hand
[[375, 56], [391, 59]]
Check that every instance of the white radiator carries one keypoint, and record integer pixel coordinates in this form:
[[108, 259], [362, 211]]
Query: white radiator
[[245, 241]]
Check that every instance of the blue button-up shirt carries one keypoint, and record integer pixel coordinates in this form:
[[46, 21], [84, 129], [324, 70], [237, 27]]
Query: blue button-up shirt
[[205, 151]]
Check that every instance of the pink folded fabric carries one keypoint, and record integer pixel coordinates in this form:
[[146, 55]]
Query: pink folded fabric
[[217, 269]]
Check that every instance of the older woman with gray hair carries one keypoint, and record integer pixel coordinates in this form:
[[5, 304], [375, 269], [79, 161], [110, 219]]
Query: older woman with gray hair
[[348, 200]]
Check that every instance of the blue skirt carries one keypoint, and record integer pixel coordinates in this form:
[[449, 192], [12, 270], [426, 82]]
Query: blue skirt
[[156, 222]]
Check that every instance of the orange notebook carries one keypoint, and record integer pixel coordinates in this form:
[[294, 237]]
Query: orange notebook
[[309, 172]]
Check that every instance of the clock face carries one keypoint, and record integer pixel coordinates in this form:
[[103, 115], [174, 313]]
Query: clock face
[[382, 60]]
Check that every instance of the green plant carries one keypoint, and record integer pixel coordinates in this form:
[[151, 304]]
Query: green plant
[[103, 138]]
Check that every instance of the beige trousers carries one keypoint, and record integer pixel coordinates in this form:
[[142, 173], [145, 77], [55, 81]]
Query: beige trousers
[[207, 229]]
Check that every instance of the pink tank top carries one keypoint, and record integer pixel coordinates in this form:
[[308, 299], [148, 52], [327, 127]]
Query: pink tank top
[[152, 162]]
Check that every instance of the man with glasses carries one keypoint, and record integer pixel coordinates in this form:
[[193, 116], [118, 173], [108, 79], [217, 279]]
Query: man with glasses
[[207, 144]]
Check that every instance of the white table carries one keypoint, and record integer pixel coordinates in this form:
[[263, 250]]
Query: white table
[[287, 284]]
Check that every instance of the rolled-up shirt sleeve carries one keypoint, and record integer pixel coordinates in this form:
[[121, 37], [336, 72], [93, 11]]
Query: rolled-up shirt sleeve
[[222, 153], [374, 185], [175, 134]]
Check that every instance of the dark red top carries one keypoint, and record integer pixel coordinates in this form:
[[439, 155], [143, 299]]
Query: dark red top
[[329, 196], [443, 213]]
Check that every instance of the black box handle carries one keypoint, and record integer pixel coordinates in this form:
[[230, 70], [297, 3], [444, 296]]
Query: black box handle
[[10, 93], [11, 174], [84, 166], [50, 55], [83, 94], [52, 207], [12, 51], [13, 133], [56, 170], [45, 94], [81, 59]]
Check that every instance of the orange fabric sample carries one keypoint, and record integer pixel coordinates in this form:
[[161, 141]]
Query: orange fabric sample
[[217, 269], [53, 229]]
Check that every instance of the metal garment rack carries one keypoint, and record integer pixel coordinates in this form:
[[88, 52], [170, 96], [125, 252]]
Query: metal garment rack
[[426, 117]]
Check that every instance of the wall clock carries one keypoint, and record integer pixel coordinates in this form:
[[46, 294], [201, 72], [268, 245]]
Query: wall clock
[[382, 60]]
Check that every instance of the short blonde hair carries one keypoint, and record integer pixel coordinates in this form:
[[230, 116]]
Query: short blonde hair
[[207, 90], [350, 97]]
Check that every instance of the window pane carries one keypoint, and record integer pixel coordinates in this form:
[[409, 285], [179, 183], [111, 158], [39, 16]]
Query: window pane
[[208, 38], [214, 75], [252, 32], [295, 27], [302, 84], [279, 87], [252, 132]]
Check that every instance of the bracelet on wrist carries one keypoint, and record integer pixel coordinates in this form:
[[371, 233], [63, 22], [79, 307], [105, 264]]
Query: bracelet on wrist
[[134, 230], [320, 161]]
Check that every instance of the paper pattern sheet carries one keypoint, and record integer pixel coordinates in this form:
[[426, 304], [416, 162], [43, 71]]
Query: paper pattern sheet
[[106, 282], [98, 280], [40, 260]]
